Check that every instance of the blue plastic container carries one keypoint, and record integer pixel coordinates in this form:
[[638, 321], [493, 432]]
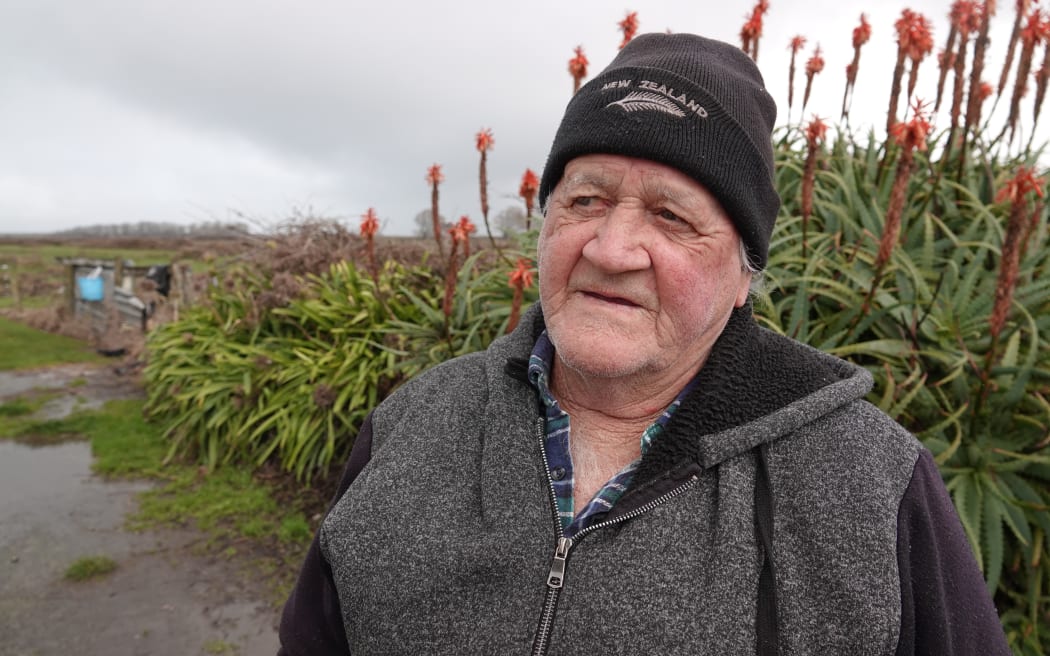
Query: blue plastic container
[[91, 289]]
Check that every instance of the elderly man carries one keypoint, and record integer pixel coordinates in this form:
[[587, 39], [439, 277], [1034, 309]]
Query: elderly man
[[639, 468]]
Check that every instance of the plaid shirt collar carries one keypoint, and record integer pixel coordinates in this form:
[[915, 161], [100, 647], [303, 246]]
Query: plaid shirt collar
[[559, 458]]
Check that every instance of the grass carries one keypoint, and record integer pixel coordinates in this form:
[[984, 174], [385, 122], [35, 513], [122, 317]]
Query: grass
[[219, 647], [28, 348], [90, 567], [16, 415]]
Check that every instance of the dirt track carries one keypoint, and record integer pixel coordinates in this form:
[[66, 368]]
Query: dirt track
[[162, 600]]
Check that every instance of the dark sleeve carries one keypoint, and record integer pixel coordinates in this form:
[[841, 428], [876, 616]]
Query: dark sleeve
[[945, 605], [312, 623]]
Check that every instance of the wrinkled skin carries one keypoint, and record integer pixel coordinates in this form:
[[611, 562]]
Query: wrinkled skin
[[639, 271]]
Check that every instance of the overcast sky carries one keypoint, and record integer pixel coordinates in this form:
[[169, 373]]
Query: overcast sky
[[185, 111]]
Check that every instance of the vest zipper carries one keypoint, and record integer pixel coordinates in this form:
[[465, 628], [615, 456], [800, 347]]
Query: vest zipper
[[556, 575]]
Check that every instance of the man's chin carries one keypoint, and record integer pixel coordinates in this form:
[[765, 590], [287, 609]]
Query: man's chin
[[601, 361]]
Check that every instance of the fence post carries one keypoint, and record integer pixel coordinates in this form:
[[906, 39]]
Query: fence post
[[16, 292], [71, 288]]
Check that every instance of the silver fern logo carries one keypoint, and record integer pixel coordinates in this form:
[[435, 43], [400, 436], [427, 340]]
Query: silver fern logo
[[647, 101]]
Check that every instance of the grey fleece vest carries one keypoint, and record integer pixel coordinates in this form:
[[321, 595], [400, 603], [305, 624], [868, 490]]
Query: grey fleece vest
[[445, 541]]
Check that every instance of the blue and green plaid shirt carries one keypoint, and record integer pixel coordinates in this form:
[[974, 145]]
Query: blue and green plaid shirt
[[559, 459]]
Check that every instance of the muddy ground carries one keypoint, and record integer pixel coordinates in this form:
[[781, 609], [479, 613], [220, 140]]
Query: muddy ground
[[163, 599]]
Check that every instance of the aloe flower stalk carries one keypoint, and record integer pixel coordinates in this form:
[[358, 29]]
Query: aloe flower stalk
[[861, 35], [814, 65], [910, 136], [914, 41], [1011, 47], [1016, 190], [945, 62], [983, 17], [797, 43], [457, 235], [815, 132], [530, 184], [1041, 77], [751, 32], [921, 44], [578, 68], [369, 228], [629, 26], [434, 178], [1034, 31], [519, 279], [965, 19], [1034, 220], [483, 141]]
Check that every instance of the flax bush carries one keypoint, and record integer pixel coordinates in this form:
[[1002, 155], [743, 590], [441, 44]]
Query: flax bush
[[284, 367]]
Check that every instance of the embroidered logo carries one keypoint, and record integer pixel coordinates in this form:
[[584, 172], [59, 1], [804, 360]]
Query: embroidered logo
[[654, 96], [644, 100]]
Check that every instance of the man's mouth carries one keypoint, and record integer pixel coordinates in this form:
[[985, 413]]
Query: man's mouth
[[617, 300]]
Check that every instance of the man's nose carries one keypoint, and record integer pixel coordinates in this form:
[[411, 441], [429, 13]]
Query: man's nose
[[618, 243]]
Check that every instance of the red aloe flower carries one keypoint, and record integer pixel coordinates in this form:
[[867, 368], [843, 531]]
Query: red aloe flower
[[1016, 190], [530, 184], [483, 140], [461, 233], [751, 32], [815, 132], [629, 25], [912, 134], [797, 43], [518, 279], [861, 35], [369, 223], [814, 65], [966, 15], [1018, 187], [434, 178], [369, 228], [578, 68]]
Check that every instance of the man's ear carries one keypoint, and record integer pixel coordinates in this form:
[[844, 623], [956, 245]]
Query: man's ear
[[745, 289]]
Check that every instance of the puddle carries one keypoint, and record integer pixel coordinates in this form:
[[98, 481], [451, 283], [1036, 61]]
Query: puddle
[[32, 477], [162, 600]]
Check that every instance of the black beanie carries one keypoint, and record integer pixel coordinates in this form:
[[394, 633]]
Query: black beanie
[[695, 104]]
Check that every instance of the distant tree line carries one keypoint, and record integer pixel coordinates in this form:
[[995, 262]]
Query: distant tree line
[[206, 229]]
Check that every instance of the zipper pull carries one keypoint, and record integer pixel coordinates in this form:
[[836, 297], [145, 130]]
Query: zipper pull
[[561, 553]]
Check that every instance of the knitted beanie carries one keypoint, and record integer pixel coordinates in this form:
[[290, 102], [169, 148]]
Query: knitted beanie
[[692, 103]]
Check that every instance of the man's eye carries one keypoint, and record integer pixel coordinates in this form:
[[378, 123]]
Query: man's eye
[[584, 201], [668, 215]]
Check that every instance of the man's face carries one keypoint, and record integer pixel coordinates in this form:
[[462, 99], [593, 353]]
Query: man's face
[[639, 269]]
